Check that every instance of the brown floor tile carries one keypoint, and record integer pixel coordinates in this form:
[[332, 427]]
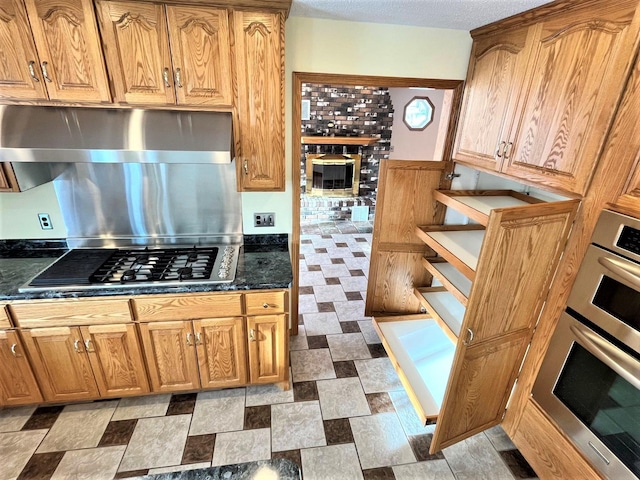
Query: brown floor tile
[[517, 464], [43, 417], [321, 250], [359, 254], [41, 466], [182, 404], [337, 261], [350, 327], [377, 350], [380, 403], [317, 341], [326, 306], [332, 280], [341, 245], [358, 239], [305, 391], [314, 268], [327, 236], [257, 417], [351, 296], [305, 242], [118, 433], [131, 473], [356, 273], [345, 369], [306, 290], [420, 445], [338, 431], [199, 448], [382, 473], [291, 455]]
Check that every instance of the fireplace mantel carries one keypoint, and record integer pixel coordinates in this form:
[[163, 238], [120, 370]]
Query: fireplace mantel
[[339, 140]]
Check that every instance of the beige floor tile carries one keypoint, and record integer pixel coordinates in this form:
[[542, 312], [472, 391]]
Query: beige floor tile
[[311, 365], [407, 414], [317, 259], [342, 398], [350, 311], [329, 293], [299, 342], [13, 419], [296, 425], [357, 263], [156, 442], [142, 407], [348, 346], [269, 394], [179, 468], [15, 450], [353, 284], [240, 447], [475, 458], [92, 463], [332, 462], [339, 252], [499, 439], [431, 470], [380, 441], [377, 375], [323, 323], [307, 304], [218, 411], [310, 279], [335, 270], [369, 332], [79, 426]]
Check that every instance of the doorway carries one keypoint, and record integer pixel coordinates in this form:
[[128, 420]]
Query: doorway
[[301, 140]]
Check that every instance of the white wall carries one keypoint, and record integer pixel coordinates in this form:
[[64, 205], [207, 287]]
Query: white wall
[[312, 45]]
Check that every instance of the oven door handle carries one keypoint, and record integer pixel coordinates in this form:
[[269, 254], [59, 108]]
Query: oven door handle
[[626, 270], [621, 363]]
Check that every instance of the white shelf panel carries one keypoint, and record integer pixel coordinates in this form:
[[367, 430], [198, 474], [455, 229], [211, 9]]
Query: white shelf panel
[[487, 203], [448, 308], [425, 355], [451, 273], [464, 244]]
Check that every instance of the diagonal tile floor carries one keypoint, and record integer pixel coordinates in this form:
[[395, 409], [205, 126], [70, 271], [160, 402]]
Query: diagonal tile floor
[[346, 416]]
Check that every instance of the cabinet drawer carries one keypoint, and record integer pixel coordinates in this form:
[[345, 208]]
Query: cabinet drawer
[[265, 302], [187, 307], [71, 313], [4, 318]]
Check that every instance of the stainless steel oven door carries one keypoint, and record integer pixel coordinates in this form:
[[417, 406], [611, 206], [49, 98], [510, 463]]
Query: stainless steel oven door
[[607, 292], [591, 389]]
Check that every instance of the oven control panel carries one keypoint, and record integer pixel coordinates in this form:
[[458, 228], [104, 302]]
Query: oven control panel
[[618, 233], [629, 240]]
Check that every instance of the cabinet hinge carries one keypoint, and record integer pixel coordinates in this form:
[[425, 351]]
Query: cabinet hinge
[[451, 176]]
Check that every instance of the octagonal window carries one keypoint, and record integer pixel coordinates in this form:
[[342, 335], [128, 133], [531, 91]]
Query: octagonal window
[[418, 113]]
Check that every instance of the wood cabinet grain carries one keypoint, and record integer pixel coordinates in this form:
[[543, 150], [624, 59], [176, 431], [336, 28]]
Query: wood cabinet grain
[[222, 356], [268, 348], [18, 385]]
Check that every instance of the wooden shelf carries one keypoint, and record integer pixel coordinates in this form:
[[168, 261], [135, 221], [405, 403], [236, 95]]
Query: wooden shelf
[[339, 140], [422, 355], [450, 278], [478, 204], [458, 244], [444, 308]]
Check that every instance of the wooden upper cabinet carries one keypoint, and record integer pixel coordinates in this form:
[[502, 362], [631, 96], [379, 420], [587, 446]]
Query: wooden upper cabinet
[[496, 72], [574, 79], [8, 182], [201, 54], [268, 348], [20, 75], [17, 384], [68, 44], [136, 47], [259, 125]]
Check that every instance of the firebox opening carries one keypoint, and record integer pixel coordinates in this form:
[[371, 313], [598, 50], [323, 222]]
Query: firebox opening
[[333, 175]]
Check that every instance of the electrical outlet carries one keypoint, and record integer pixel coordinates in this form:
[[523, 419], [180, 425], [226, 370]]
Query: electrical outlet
[[264, 219], [45, 221]]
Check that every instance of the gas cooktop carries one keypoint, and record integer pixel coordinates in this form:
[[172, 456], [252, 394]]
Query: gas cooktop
[[89, 268]]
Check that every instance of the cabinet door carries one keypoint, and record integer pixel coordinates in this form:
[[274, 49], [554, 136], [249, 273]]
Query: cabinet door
[[116, 359], [268, 349], [68, 43], [20, 75], [169, 348], [136, 46], [575, 78], [201, 54], [496, 73], [8, 181], [60, 363], [222, 353], [17, 384], [259, 135]]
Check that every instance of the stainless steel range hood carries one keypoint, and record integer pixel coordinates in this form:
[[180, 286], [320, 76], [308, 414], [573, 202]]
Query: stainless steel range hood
[[108, 135]]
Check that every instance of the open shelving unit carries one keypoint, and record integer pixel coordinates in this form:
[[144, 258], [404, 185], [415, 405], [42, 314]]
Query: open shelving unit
[[459, 362]]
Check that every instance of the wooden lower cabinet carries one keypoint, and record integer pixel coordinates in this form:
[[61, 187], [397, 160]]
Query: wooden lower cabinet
[[222, 352], [17, 384], [268, 348]]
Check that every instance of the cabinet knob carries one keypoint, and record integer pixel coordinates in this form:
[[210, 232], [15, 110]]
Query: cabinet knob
[[45, 72], [32, 71], [265, 305], [165, 77], [178, 78], [13, 349]]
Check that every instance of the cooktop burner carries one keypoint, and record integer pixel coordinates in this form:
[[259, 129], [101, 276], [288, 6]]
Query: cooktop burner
[[81, 269]]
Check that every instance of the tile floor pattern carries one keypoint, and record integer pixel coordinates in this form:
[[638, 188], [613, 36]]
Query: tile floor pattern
[[345, 417]]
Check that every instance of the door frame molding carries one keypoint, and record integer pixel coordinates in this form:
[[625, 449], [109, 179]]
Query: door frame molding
[[296, 141]]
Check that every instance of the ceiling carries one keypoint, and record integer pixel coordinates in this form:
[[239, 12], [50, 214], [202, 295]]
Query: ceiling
[[455, 14]]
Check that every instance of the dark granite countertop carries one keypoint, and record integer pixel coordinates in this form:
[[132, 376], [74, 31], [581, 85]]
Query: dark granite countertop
[[263, 263], [275, 469]]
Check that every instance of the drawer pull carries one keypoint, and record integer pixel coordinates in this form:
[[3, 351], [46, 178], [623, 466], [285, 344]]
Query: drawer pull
[[469, 338], [13, 349], [45, 72], [265, 305], [178, 78], [252, 335], [75, 346], [86, 345], [32, 71], [198, 341], [165, 77]]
